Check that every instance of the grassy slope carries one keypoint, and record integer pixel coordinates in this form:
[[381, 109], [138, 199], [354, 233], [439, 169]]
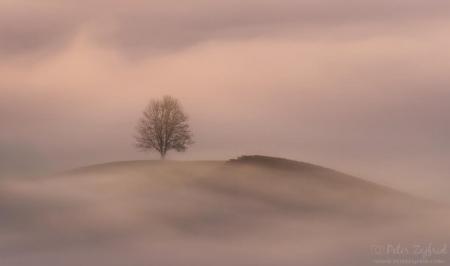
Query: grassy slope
[[254, 211], [277, 184]]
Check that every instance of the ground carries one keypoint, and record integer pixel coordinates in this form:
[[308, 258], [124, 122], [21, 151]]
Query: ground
[[255, 210]]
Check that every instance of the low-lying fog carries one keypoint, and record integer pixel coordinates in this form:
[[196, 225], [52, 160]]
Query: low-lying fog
[[215, 213]]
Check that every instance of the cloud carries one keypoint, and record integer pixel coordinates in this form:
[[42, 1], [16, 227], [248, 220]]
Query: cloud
[[142, 28], [30, 28], [176, 25]]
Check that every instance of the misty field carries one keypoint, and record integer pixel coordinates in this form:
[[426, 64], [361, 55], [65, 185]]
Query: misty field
[[251, 211]]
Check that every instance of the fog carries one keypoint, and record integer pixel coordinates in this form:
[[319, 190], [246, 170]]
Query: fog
[[358, 86], [203, 213]]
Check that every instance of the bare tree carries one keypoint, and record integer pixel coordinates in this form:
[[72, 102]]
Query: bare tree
[[163, 127]]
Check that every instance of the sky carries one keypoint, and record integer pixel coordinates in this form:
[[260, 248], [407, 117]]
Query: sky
[[359, 86]]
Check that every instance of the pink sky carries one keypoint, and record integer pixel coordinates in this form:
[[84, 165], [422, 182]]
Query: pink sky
[[361, 86]]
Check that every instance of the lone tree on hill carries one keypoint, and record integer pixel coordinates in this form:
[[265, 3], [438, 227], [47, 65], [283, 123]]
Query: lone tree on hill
[[163, 127]]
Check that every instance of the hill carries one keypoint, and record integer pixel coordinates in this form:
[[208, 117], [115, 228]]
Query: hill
[[277, 184], [254, 210]]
